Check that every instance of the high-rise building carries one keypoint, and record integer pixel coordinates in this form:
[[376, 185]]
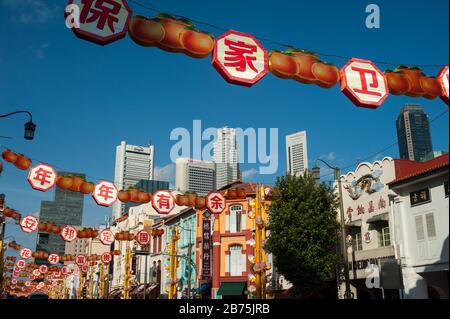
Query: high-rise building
[[65, 209], [226, 157], [413, 133], [133, 163], [296, 153], [195, 176]]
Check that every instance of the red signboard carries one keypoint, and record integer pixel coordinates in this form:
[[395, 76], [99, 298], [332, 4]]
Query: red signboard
[[28, 224], [163, 202], [215, 202], [42, 177], [99, 21], [363, 83], [240, 58], [105, 193]]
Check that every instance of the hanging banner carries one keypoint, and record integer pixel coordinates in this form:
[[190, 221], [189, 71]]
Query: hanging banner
[[106, 237], [42, 177], [206, 245], [304, 67], [28, 224], [105, 193], [240, 58], [98, 21], [171, 34], [363, 83], [443, 81], [215, 202], [163, 201]]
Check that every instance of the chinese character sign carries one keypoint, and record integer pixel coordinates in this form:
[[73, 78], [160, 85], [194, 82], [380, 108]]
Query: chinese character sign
[[25, 253], [28, 224], [106, 237], [43, 269], [106, 258], [36, 272], [68, 233], [53, 259], [163, 202], [443, 80], [21, 264], [105, 193], [363, 83], [42, 177], [143, 238], [64, 270], [101, 21], [240, 58], [206, 247], [80, 260], [215, 202]]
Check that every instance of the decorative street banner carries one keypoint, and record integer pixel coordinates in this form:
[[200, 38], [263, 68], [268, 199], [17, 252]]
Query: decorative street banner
[[106, 237], [171, 34], [99, 21], [25, 253], [143, 237], [42, 177], [69, 233], [28, 224], [163, 202], [206, 245], [363, 83], [215, 202], [240, 58], [443, 81], [106, 258], [105, 193]]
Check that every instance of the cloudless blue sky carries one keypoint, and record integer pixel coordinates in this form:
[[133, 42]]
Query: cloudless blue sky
[[86, 98]]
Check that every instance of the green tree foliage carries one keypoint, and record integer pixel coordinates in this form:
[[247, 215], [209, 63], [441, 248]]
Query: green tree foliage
[[303, 228]]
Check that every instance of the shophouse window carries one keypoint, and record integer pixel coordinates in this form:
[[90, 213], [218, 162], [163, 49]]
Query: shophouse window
[[384, 237], [235, 262], [425, 226], [235, 218], [357, 238]]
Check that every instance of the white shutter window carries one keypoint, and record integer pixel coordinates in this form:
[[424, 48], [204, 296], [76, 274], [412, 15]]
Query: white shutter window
[[235, 256], [420, 234], [243, 263], [244, 221], [227, 223], [232, 221], [227, 263], [431, 227]]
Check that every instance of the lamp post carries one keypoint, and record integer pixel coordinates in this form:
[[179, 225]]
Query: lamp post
[[337, 174], [30, 127]]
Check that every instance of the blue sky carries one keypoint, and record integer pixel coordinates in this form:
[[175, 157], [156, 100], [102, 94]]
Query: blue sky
[[86, 98]]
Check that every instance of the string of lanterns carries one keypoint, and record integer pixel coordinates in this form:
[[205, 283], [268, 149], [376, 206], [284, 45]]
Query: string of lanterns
[[242, 60]]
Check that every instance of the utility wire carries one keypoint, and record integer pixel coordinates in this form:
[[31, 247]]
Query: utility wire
[[383, 149], [219, 28]]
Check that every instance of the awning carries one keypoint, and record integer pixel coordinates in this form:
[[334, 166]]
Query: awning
[[116, 293], [354, 223], [378, 218], [232, 288]]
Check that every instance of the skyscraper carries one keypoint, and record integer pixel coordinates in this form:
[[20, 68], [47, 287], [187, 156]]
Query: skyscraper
[[226, 157], [133, 163], [195, 176], [296, 153], [413, 133], [65, 209]]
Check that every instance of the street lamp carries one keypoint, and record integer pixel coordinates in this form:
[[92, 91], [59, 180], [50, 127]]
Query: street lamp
[[30, 127], [337, 173]]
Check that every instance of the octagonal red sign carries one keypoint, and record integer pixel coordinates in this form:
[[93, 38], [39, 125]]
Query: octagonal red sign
[[143, 237], [443, 81], [215, 202], [363, 83], [240, 58], [69, 233], [163, 202], [106, 258], [29, 223], [98, 21], [105, 193], [106, 237], [42, 177]]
